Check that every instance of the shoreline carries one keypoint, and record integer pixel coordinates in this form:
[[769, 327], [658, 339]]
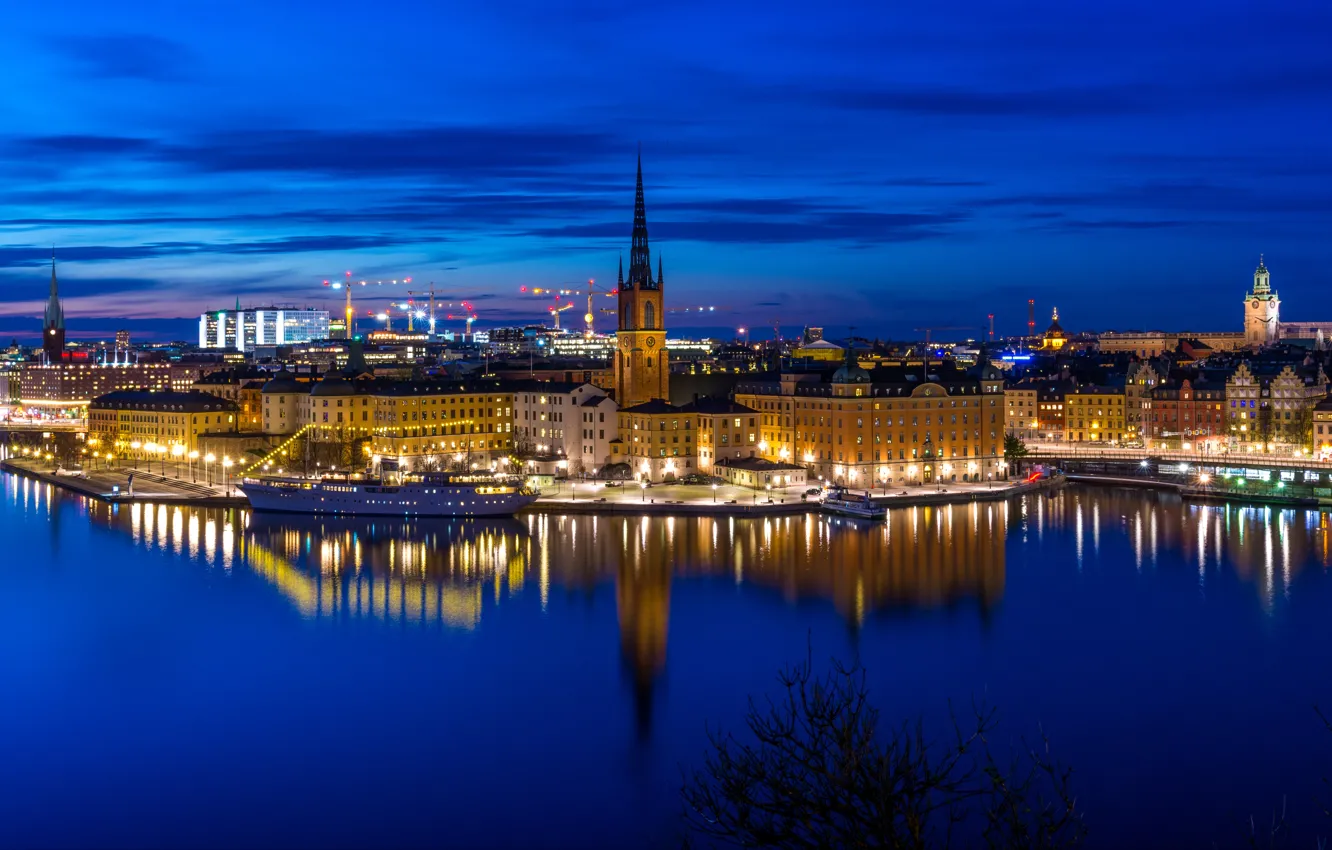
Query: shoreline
[[1201, 494], [85, 487]]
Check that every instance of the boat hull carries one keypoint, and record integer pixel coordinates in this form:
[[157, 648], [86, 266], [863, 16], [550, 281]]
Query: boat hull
[[406, 500]]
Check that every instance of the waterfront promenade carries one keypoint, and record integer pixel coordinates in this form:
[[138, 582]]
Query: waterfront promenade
[[177, 485]]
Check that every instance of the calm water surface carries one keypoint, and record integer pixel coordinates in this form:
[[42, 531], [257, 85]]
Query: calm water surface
[[177, 677]]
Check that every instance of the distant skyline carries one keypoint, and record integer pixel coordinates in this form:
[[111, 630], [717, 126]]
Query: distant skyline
[[829, 165]]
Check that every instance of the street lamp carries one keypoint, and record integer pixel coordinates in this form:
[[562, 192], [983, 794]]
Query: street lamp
[[642, 489], [177, 452], [193, 456], [209, 460], [714, 492], [226, 469]]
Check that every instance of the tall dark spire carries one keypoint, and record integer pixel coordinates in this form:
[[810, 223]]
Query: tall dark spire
[[661, 276], [55, 311], [640, 261], [621, 284]]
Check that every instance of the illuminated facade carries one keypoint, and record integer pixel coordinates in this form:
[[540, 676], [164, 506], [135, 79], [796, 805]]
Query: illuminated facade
[[576, 422], [1096, 414], [156, 425], [1186, 414], [428, 425], [892, 426], [642, 364], [1020, 414], [242, 330], [1055, 336], [71, 385], [1262, 309]]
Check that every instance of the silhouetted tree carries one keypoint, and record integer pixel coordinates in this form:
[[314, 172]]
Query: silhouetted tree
[[820, 771]]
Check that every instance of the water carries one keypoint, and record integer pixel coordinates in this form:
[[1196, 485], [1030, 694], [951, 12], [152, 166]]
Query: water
[[177, 677]]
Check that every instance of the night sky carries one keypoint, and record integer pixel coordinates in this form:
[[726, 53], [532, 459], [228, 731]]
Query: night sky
[[884, 165]]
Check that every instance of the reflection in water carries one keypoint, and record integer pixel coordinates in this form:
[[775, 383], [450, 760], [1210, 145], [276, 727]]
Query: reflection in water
[[440, 571], [1261, 544]]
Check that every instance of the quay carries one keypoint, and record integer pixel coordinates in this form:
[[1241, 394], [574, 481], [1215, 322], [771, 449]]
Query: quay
[[112, 485]]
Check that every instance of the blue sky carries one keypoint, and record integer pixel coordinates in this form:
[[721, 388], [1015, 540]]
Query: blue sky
[[830, 163]]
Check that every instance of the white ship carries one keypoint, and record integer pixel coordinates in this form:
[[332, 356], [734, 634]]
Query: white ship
[[839, 500], [423, 495]]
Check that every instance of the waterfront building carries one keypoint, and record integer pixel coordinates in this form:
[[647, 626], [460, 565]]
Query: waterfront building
[[1322, 430], [662, 441], [1139, 379], [895, 424], [148, 425], [575, 422], [642, 364], [1050, 410], [280, 403], [1096, 414], [1186, 414], [1020, 412], [243, 386], [243, 329], [1270, 403], [434, 425]]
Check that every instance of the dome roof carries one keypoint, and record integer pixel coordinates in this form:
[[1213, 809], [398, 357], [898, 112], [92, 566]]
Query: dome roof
[[334, 385], [850, 373], [283, 382]]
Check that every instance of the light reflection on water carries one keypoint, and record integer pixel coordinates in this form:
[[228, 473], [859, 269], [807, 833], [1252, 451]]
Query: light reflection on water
[[1019, 599]]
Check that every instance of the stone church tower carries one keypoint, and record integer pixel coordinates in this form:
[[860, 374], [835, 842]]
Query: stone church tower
[[642, 367], [1262, 310]]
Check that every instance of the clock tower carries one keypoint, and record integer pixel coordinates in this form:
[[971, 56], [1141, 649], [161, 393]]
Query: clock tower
[[642, 367], [1262, 310]]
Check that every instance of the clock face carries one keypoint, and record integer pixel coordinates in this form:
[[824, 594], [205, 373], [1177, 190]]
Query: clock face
[[624, 343], [1255, 305], [651, 341]]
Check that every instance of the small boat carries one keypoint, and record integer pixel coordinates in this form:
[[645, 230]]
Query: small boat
[[468, 494], [840, 501]]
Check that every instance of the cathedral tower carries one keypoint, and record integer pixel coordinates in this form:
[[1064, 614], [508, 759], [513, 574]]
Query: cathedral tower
[[1262, 310], [53, 322], [642, 367]]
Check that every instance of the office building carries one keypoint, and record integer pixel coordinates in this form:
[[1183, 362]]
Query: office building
[[243, 329]]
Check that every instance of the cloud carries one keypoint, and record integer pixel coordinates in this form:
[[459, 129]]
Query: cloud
[[126, 57], [20, 256], [975, 103], [845, 226]]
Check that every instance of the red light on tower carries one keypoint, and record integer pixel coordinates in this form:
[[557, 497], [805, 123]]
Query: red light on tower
[[522, 289]]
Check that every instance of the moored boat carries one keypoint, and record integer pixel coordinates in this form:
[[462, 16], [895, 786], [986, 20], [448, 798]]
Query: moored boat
[[839, 500], [426, 494]]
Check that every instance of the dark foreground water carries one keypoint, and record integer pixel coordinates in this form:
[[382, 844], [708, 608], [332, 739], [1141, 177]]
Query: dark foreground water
[[175, 677]]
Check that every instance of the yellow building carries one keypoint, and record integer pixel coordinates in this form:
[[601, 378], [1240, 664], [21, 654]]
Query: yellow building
[[895, 427], [428, 424], [1097, 414], [662, 441], [1021, 415], [1322, 429], [145, 424], [1055, 336], [820, 349]]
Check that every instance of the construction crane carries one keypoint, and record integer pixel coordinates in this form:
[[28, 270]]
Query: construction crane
[[346, 285], [555, 311], [704, 309]]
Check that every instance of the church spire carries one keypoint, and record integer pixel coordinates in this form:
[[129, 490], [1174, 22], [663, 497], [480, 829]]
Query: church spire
[[640, 261], [55, 311], [661, 276], [621, 283]]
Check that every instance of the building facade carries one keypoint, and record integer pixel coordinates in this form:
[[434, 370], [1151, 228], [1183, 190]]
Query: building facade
[[1096, 414], [70, 386], [243, 329], [892, 426], [53, 322], [576, 422], [1186, 414], [1020, 413], [145, 425]]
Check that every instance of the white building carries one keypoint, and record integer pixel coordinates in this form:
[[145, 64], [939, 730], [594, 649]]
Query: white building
[[1262, 310], [243, 329], [574, 421]]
